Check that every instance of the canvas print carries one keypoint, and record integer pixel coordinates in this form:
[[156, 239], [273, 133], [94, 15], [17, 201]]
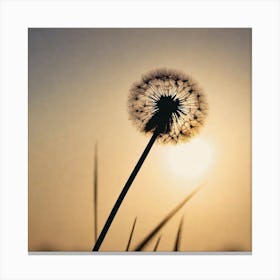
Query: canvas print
[[139, 140]]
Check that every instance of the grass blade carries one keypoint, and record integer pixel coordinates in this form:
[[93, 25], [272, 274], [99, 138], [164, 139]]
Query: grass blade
[[156, 246], [179, 234], [95, 192], [150, 236], [131, 234]]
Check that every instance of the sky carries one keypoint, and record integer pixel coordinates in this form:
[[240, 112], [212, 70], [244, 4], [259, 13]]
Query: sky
[[78, 85]]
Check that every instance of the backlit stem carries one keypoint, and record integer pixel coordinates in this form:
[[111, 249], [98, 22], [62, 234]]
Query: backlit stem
[[125, 190]]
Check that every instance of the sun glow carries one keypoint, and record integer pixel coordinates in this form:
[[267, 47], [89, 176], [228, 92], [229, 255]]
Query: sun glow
[[190, 160]]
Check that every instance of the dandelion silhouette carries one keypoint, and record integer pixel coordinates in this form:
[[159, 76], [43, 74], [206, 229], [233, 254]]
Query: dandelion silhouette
[[171, 107], [169, 104]]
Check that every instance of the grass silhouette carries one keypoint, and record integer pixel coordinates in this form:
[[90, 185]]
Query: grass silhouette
[[131, 234], [157, 243], [179, 234], [164, 221], [95, 192]]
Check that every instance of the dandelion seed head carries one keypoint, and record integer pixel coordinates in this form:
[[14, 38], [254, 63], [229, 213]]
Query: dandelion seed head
[[170, 102]]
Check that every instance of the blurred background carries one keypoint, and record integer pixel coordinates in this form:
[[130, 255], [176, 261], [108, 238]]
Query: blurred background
[[79, 81]]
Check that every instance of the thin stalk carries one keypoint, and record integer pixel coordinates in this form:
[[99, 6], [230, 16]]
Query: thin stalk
[[131, 234], [156, 246], [125, 190], [178, 238], [95, 192]]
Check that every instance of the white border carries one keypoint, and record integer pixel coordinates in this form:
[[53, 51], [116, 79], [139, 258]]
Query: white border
[[17, 16]]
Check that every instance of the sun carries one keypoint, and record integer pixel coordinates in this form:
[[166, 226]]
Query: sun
[[191, 160]]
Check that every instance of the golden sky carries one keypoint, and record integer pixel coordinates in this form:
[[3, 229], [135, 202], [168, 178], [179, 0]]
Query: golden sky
[[79, 81]]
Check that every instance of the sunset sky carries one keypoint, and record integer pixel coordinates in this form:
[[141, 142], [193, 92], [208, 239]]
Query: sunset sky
[[79, 80]]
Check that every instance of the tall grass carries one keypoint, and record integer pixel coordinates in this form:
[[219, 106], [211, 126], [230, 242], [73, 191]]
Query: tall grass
[[131, 234], [154, 231], [95, 192], [157, 243], [179, 234]]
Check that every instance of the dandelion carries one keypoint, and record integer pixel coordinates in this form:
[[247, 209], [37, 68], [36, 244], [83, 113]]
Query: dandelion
[[168, 105]]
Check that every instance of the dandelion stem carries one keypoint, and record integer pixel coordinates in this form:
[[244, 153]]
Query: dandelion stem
[[125, 190]]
